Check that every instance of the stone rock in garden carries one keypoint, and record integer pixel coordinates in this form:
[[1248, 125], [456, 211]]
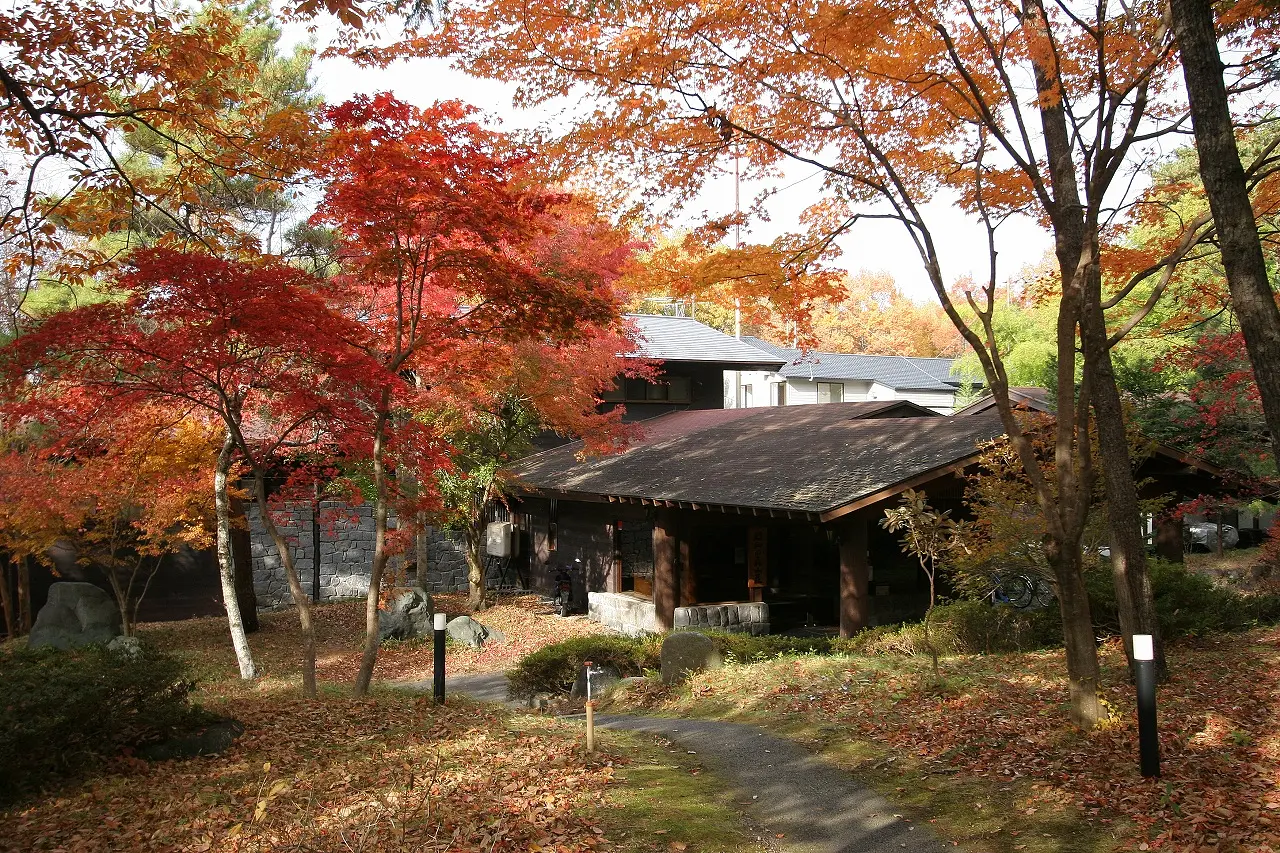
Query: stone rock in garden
[[604, 678], [126, 647], [76, 614], [464, 629], [687, 651], [211, 740], [410, 615], [493, 635]]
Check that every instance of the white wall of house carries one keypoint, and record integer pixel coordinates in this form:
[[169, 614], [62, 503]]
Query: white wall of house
[[758, 388]]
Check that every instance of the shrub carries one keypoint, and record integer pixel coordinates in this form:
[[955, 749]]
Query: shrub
[[746, 648], [1188, 604], [963, 627], [553, 669], [62, 712]]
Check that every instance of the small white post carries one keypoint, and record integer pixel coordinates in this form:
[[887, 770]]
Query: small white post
[[591, 715]]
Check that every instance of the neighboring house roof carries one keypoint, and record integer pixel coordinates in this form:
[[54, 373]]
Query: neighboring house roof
[[814, 461], [685, 339], [893, 371], [1037, 400], [1030, 397]]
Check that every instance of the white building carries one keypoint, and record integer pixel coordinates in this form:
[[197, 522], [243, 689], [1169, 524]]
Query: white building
[[827, 377]]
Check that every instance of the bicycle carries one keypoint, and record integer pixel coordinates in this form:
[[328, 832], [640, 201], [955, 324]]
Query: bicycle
[[1022, 591]]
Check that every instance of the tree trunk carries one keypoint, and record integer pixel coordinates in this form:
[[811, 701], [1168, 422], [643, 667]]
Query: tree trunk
[[24, 595], [371, 618], [6, 600], [1227, 190], [242, 556], [476, 581], [1135, 601], [300, 599], [928, 641], [1077, 633], [1075, 228], [226, 565]]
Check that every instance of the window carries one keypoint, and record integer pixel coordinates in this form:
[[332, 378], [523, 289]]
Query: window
[[673, 389], [830, 392], [778, 394]]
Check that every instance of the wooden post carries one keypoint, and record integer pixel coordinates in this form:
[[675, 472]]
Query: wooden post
[[757, 562], [688, 580], [855, 576], [1169, 539], [664, 570], [614, 581]]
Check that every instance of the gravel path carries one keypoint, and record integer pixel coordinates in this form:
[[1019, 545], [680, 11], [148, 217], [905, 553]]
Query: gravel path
[[818, 808], [783, 787]]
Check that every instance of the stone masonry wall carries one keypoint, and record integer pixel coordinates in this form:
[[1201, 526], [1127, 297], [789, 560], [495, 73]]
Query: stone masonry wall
[[346, 554], [635, 616]]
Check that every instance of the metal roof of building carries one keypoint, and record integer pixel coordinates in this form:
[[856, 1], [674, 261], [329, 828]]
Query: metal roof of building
[[893, 371], [685, 339], [813, 460]]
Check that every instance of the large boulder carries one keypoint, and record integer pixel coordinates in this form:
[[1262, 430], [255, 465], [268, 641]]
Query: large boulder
[[76, 614], [687, 651], [464, 629], [410, 615]]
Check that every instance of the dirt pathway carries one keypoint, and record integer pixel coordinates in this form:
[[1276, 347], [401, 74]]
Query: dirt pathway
[[817, 808]]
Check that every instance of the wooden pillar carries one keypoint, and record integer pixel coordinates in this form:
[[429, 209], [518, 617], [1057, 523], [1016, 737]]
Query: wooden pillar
[[1169, 538], [757, 562], [613, 583], [855, 576], [688, 577], [664, 570]]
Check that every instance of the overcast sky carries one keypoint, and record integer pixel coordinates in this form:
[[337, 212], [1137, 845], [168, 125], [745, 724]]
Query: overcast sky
[[874, 246]]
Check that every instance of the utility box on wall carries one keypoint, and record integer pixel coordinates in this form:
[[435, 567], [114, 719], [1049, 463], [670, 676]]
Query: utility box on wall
[[500, 539]]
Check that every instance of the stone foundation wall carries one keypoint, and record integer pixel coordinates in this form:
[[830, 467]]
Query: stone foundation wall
[[346, 554], [736, 618], [633, 616], [624, 613]]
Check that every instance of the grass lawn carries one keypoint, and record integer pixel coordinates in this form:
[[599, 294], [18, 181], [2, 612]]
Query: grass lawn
[[388, 773], [991, 760]]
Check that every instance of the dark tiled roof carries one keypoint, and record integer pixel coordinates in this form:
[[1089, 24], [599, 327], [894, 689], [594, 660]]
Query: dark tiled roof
[[685, 339], [1029, 397], [809, 459], [893, 371]]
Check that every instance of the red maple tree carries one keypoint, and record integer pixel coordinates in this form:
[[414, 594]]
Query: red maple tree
[[441, 232], [252, 345]]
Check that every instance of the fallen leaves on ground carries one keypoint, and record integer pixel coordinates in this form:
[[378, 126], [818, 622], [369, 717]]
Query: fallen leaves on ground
[[1002, 720], [391, 773], [527, 622]]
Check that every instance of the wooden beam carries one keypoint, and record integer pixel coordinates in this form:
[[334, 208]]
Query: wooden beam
[[664, 570], [855, 576]]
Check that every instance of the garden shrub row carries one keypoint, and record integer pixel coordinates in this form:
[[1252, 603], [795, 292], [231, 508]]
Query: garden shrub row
[[1187, 605], [64, 712]]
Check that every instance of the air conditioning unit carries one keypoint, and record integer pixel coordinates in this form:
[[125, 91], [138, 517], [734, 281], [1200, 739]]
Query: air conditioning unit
[[500, 539]]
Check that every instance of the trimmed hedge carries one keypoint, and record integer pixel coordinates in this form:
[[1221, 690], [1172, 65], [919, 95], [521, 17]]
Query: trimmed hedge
[[964, 628], [553, 669], [1188, 604], [63, 712]]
